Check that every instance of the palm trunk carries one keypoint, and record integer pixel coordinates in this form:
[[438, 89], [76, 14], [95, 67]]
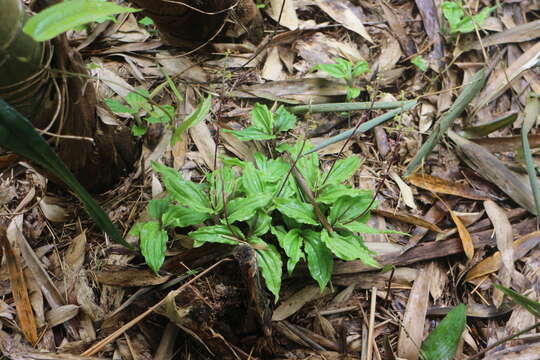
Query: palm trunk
[[40, 85]]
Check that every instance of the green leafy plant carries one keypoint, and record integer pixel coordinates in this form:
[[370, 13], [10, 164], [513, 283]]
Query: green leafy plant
[[419, 62], [441, 343], [138, 105], [458, 22], [68, 15], [259, 203], [344, 69]]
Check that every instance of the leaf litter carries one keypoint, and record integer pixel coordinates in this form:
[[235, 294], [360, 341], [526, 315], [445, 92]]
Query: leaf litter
[[70, 293]]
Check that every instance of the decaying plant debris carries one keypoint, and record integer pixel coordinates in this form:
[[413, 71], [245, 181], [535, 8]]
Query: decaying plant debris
[[450, 170]]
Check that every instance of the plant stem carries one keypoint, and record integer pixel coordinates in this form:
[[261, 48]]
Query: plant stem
[[348, 106]]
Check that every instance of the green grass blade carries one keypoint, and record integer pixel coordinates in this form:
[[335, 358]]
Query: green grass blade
[[18, 135], [368, 125], [531, 113], [528, 304], [464, 98], [442, 343], [348, 106]]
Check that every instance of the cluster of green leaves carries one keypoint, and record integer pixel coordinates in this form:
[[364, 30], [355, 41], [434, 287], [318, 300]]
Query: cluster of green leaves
[[344, 69], [458, 22], [259, 203], [419, 62], [138, 105]]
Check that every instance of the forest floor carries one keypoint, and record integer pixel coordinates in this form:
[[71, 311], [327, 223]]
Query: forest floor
[[467, 207]]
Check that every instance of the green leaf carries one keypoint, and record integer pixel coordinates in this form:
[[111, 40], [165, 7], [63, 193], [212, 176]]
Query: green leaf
[[291, 243], [347, 208], [262, 119], [215, 234], [360, 68], [307, 164], [419, 62], [352, 93], [348, 247], [252, 180], [319, 258], [530, 305], [222, 183], [250, 134], [453, 13], [242, 209], [137, 130], [273, 170], [271, 266], [199, 114], [335, 70], [185, 192], [181, 216], [343, 169], [442, 343], [331, 192], [146, 21], [138, 100], [153, 242], [18, 135], [157, 207], [116, 106], [489, 127], [160, 115], [284, 120], [297, 210], [363, 228], [67, 15], [260, 223]]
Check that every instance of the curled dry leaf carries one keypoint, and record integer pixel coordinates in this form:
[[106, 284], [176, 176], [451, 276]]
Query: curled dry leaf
[[493, 263], [51, 210], [441, 186]]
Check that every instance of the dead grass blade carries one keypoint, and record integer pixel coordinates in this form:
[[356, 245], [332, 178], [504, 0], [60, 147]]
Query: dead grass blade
[[504, 237], [492, 169], [409, 219], [19, 290], [441, 186], [467, 94], [493, 263], [412, 328]]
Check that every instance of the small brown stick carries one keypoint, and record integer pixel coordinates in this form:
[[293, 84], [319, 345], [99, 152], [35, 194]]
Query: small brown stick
[[97, 347], [372, 322]]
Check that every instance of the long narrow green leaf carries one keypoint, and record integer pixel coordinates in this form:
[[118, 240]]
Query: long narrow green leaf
[[488, 128], [464, 98], [192, 119], [442, 343], [368, 125], [67, 15], [531, 113], [528, 304], [18, 135]]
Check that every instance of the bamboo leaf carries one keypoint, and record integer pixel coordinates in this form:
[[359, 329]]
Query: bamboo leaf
[[531, 113], [442, 343]]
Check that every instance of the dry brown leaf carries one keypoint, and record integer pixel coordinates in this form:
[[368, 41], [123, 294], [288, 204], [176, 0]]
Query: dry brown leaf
[[128, 277], [405, 190], [343, 12], [412, 329], [200, 133], [398, 28], [51, 210], [510, 143], [287, 11], [504, 237], [441, 186], [273, 68], [296, 301], [61, 314], [464, 235], [500, 80], [493, 263], [520, 33], [409, 219], [19, 289], [492, 169]]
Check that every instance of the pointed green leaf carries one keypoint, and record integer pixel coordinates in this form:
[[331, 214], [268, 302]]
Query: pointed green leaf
[[250, 133], [343, 169], [347, 208], [530, 305], [319, 258], [67, 15], [260, 223], [252, 180], [270, 264], [291, 243], [348, 247], [284, 120], [153, 242], [297, 210], [331, 192], [242, 209], [215, 234], [199, 114], [442, 343], [181, 216], [262, 119]]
